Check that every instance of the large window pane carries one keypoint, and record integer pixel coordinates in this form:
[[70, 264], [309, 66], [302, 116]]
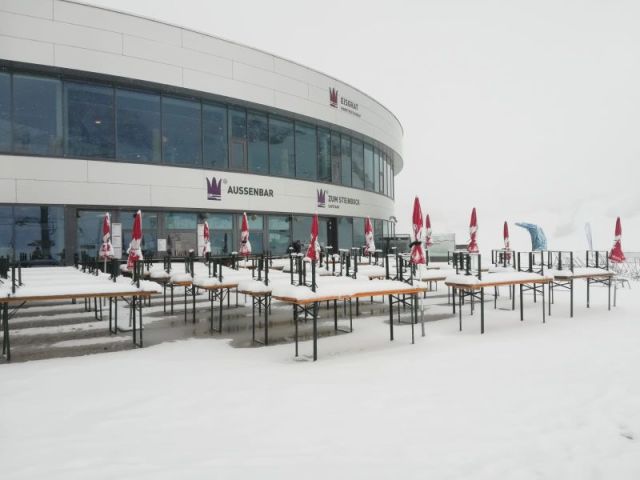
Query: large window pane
[[345, 232], [301, 227], [281, 156], [358, 164], [221, 229], [391, 180], [279, 236], [256, 236], [358, 232], [346, 160], [306, 154], [181, 132], [149, 244], [5, 112], [381, 173], [324, 155], [214, 128], [368, 167], [39, 234], [37, 115], [258, 139], [6, 232], [180, 221], [376, 170], [336, 158], [237, 139], [89, 231], [137, 126], [89, 120]]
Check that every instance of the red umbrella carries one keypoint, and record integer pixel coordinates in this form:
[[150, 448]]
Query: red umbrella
[[473, 231], [505, 234], [314, 248], [245, 244], [370, 246], [417, 254], [106, 251], [427, 232], [134, 251], [617, 255], [207, 239]]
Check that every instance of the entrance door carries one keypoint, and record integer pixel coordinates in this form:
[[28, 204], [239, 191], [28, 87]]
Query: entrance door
[[329, 233]]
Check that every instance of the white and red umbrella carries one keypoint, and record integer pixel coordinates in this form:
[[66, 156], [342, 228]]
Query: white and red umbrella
[[427, 232], [134, 251], [617, 255], [106, 251], [473, 232], [245, 244], [313, 251], [505, 235], [369, 244], [207, 239], [417, 254]]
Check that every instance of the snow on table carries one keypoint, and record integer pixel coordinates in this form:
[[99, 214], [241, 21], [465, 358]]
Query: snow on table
[[491, 279]]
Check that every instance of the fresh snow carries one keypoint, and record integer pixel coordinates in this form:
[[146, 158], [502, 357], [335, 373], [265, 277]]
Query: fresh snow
[[526, 400]]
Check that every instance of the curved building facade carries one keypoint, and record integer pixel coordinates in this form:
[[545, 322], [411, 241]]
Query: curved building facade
[[106, 111]]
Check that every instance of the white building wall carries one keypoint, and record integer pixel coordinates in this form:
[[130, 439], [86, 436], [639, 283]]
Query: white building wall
[[66, 34]]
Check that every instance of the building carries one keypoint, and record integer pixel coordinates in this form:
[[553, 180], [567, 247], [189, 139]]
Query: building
[[107, 111]]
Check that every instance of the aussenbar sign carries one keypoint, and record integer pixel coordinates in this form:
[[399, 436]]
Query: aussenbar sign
[[345, 104], [215, 189]]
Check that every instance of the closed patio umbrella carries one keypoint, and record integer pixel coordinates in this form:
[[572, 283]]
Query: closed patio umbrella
[[427, 232], [106, 250], [134, 251], [417, 254], [505, 235], [473, 232], [245, 244], [369, 244], [617, 255], [207, 240], [314, 248]]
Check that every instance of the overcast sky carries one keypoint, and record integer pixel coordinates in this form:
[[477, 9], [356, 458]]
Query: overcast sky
[[527, 110]]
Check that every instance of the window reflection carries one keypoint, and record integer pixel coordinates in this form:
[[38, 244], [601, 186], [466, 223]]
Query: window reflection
[[281, 156], [181, 132], [138, 126]]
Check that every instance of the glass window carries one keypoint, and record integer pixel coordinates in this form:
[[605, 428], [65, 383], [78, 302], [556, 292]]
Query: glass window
[[39, 234], [376, 170], [89, 120], [358, 232], [37, 115], [180, 221], [5, 112], [279, 236], [89, 231], [346, 160], [381, 173], [306, 154], [258, 139], [137, 126], [391, 179], [377, 233], [181, 131], [214, 128], [323, 230], [336, 158], [6, 232], [237, 139], [221, 231], [149, 242], [281, 157], [301, 226], [368, 167], [358, 164], [256, 235], [345, 232], [386, 177], [324, 155]]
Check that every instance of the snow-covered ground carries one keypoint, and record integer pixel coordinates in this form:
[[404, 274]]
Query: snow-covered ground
[[524, 401]]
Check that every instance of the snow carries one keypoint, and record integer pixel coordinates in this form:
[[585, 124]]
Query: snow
[[524, 401], [254, 286], [490, 278]]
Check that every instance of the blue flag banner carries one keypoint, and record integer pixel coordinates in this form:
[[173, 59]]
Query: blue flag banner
[[538, 238]]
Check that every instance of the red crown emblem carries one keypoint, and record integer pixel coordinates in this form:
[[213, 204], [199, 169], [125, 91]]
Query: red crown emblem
[[333, 97]]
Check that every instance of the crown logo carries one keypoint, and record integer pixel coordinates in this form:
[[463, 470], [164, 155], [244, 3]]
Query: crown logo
[[214, 189], [333, 97], [322, 197]]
